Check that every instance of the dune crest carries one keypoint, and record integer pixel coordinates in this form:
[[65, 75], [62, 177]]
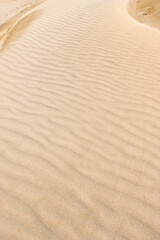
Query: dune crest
[[146, 11], [8, 27]]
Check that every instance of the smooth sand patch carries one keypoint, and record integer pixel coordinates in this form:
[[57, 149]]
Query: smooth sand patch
[[79, 122]]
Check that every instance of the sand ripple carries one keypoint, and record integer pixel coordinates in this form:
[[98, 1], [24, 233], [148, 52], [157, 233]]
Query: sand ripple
[[79, 124]]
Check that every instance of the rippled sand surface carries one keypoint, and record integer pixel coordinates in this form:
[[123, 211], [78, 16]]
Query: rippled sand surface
[[79, 120]]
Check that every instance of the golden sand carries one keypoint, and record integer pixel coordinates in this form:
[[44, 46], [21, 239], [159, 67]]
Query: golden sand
[[79, 120], [146, 11]]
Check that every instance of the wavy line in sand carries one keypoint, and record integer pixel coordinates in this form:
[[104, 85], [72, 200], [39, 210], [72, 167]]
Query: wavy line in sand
[[79, 127]]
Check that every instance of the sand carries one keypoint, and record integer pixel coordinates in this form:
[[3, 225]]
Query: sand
[[79, 120]]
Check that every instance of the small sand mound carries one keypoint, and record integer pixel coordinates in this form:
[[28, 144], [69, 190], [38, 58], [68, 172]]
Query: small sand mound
[[146, 11]]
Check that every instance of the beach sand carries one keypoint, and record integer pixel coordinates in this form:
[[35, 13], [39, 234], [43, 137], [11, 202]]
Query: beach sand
[[79, 120]]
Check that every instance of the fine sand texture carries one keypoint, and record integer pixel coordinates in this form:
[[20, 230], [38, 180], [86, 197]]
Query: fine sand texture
[[79, 120]]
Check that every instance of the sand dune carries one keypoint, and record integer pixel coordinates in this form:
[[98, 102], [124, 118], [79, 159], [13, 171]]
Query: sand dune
[[79, 120]]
